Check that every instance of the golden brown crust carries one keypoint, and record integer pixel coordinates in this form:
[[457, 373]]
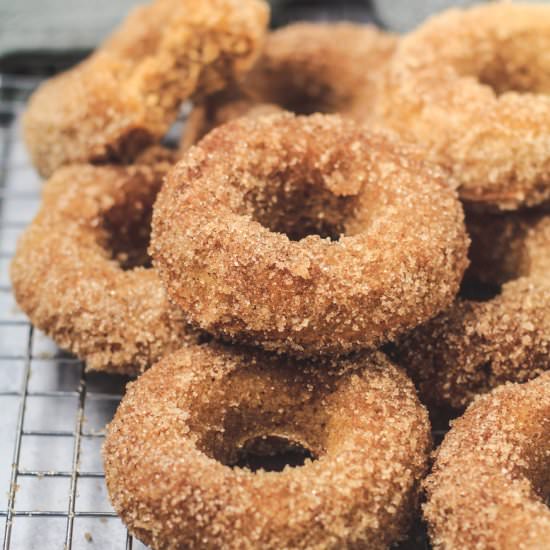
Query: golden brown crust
[[247, 261], [491, 474], [472, 86], [76, 270], [304, 68], [126, 95], [475, 346], [169, 449]]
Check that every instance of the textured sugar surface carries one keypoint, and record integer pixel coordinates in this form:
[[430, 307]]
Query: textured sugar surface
[[128, 93], [472, 86], [491, 475]]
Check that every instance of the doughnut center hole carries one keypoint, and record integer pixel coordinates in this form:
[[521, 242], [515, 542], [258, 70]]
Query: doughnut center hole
[[302, 209], [485, 372], [271, 453], [129, 246], [478, 291], [514, 69], [502, 82], [308, 102], [128, 235]]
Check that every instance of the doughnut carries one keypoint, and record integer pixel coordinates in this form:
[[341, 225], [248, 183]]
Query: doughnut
[[80, 273], [471, 85], [477, 345], [307, 235], [491, 474], [175, 453], [125, 96], [304, 68]]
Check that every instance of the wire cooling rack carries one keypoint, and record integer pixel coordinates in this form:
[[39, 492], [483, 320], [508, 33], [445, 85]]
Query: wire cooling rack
[[52, 412]]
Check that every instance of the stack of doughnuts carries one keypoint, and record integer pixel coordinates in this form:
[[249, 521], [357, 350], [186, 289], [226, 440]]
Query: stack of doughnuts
[[349, 218]]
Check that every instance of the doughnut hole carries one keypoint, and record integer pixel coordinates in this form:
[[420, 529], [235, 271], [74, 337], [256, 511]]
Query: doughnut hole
[[510, 61], [517, 68], [478, 290], [127, 230], [303, 95], [300, 208], [302, 200], [263, 420], [504, 247], [272, 454], [540, 477], [482, 382]]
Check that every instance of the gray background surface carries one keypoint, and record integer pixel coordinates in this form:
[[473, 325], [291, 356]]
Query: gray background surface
[[51, 26]]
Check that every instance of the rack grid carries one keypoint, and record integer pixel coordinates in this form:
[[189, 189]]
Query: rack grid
[[52, 491]]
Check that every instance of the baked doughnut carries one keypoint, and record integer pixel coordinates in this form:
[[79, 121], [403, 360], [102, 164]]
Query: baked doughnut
[[126, 95], [172, 452], [307, 234], [492, 473], [477, 345], [472, 87], [304, 68], [78, 273]]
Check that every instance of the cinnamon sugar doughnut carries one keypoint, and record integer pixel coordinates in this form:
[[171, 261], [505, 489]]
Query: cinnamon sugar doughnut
[[304, 68], [472, 86], [477, 345], [77, 271], [172, 452], [491, 474], [126, 95], [307, 234]]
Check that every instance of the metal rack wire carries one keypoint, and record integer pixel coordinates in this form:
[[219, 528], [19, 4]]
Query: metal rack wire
[[52, 492]]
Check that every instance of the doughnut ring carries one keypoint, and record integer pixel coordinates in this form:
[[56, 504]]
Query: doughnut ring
[[472, 87], [77, 274], [475, 346], [307, 234], [490, 477], [304, 68], [125, 96], [173, 452]]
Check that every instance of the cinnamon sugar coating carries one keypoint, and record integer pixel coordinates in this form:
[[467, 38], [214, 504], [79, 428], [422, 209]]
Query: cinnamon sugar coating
[[304, 68], [182, 425], [492, 473], [126, 95], [472, 87], [77, 270], [475, 346], [307, 234]]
